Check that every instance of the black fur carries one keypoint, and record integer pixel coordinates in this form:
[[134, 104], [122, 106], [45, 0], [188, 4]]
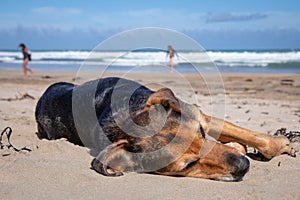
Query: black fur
[[55, 116]]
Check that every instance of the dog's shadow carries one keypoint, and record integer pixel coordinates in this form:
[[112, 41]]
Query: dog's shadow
[[258, 156]]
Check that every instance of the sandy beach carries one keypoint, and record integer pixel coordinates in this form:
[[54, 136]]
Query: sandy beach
[[61, 170]]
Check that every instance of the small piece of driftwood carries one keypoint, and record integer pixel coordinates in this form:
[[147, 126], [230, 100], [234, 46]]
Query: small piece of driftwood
[[18, 98]]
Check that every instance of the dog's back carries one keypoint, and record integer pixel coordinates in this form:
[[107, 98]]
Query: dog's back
[[54, 113], [88, 105]]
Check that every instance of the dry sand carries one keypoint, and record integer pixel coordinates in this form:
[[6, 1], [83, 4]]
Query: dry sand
[[61, 170]]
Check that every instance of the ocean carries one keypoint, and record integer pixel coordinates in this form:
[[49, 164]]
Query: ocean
[[149, 60]]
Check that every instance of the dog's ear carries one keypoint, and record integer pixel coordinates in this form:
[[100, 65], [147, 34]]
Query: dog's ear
[[114, 160], [164, 97]]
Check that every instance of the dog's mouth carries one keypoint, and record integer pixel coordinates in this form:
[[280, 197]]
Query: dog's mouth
[[230, 178]]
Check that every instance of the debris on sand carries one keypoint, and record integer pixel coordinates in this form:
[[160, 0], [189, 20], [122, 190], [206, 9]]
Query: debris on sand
[[18, 98], [293, 136], [7, 132], [46, 77], [287, 82]]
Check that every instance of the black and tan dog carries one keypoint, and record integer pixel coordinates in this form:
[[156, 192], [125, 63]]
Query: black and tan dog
[[135, 129]]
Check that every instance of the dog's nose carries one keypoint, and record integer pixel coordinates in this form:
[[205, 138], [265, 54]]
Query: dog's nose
[[240, 165]]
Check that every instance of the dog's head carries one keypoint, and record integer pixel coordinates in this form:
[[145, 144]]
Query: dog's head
[[179, 148]]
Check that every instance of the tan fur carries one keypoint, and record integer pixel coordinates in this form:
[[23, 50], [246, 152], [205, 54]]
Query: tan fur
[[199, 157]]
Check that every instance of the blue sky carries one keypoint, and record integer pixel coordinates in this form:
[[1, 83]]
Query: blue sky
[[77, 24]]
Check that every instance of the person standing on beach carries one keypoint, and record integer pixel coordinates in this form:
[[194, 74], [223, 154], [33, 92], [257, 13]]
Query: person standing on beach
[[26, 59], [171, 53]]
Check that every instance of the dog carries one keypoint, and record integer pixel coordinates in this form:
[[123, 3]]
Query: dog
[[131, 128]]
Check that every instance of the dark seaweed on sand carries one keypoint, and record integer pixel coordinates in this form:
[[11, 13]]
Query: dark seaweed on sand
[[293, 136]]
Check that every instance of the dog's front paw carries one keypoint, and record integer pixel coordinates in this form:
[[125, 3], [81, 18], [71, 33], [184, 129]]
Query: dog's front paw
[[104, 170], [275, 146], [283, 146]]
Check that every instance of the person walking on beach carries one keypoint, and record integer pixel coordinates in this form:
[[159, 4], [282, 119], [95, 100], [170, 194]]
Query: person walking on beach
[[26, 59], [171, 53]]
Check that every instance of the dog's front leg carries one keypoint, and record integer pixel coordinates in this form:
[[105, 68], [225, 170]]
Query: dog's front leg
[[269, 146], [114, 160]]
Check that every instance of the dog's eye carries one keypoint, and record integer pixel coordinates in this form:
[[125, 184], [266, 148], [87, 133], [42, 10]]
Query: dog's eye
[[189, 164]]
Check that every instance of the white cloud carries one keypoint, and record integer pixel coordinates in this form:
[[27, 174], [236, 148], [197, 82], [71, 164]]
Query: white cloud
[[141, 13], [234, 17], [57, 11]]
